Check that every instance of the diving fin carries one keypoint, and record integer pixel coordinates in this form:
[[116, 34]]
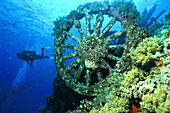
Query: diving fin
[[47, 47], [51, 57]]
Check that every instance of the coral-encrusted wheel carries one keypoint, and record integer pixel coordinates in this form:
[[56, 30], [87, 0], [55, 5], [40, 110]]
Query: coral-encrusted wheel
[[95, 57]]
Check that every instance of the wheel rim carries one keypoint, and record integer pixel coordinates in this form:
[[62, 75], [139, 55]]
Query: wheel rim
[[92, 50]]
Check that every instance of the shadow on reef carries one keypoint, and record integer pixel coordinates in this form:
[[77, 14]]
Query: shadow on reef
[[63, 98]]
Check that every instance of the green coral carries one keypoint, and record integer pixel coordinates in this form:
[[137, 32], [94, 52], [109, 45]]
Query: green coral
[[99, 99], [159, 101], [154, 71], [132, 77], [147, 48], [142, 53], [115, 104]]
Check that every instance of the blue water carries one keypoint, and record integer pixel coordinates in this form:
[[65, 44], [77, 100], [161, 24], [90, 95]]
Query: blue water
[[28, 24]]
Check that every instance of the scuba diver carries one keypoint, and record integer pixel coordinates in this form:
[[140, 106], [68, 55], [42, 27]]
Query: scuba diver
[[29, 56]]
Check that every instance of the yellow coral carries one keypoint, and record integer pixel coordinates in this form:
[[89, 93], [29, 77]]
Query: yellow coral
[[167, 46], [93, 111], [159, 63], [164, 34], [115, 104], [158, 101], [147, 47], [132, 77]]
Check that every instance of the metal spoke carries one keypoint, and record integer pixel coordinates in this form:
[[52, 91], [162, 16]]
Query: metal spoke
[[74, 64], [78, 26], [88, 80], [106, 65], [70, 56], [107, 28], [114, 47], [112, 57], [88, 28], [98, 24], [70, 46], [114, 36], [73, 37], [79, 71]]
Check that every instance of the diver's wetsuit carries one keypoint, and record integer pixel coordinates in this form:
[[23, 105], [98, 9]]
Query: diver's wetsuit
[[29, 56]]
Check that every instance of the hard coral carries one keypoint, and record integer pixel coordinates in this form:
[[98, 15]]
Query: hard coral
[[147, 48], [115, 104], [143, 52], [158, 101], [132, 77]]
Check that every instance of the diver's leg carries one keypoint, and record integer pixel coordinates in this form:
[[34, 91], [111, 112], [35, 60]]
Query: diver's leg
[[46, 57], [28, 62], [31, 64], [42, 52]]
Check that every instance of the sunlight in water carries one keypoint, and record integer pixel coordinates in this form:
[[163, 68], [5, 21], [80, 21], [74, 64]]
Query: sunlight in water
[[20, 78]]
